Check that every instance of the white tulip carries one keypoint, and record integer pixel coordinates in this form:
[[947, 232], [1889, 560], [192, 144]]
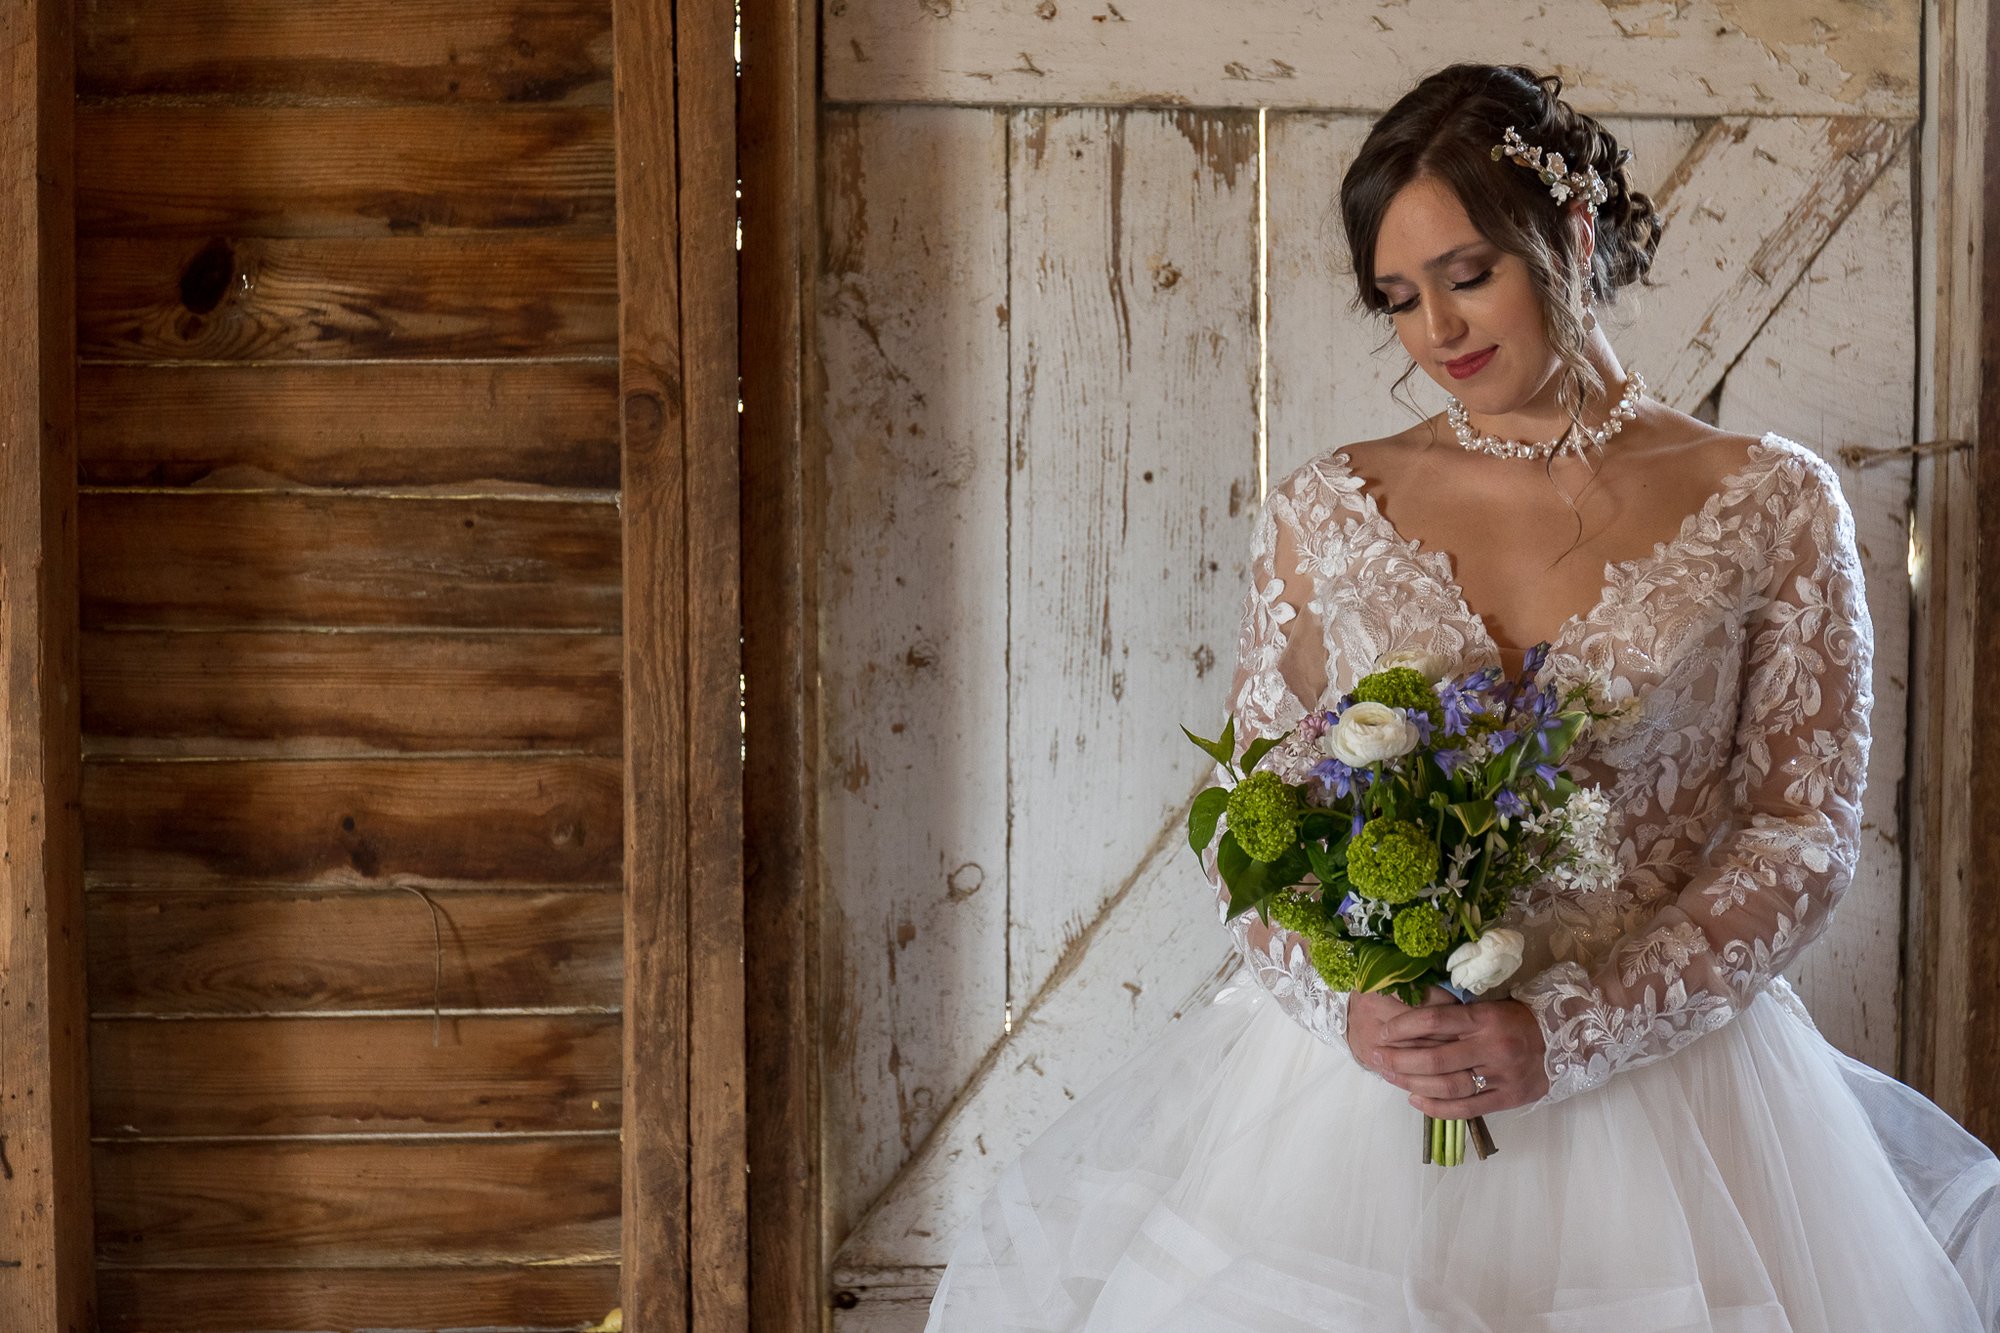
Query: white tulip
[[1369, 732], [1428, 665], [1480, 965]]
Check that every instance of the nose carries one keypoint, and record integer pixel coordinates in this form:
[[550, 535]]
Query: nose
[[1441, 321]]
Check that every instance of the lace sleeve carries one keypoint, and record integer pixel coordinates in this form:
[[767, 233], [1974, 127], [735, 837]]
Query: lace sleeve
[[1769, 886], [1280, 662]]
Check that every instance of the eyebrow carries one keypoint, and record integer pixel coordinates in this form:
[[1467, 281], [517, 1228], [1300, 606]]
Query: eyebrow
[[1436, 263]]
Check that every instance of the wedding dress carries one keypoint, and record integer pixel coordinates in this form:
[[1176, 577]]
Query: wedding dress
[[1704, 1158]]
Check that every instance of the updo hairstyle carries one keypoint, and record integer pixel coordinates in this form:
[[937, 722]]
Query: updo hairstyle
[[1446, 127]]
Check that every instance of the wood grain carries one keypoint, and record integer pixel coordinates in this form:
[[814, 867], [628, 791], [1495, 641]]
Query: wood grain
[[911, 336], [236, 561], [301, 694], [492, 427], [313, 1300], [410, 1204], [45, 1243], [344, 297], [338, 1075], [388, 50], [1692, 58], [247, 952], [492, 822], [146, 170]]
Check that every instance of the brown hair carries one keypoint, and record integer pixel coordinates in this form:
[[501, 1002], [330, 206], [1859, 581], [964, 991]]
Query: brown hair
[[1446, 128]]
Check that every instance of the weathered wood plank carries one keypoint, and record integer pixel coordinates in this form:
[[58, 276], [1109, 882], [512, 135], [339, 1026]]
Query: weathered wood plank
[[483, 428], [1746, 211], [912, 333], [45, 1243], [1328, 382], [235, 561], [1134, 438], [783, 484], [317, 694], [238, 952], [313, 1300], [341, 171], [239, 171], [1150, 956], [343, 297], [1835, 367], [473, 822], [337, 1075], [1693, 58], [409, 1204], [389, 50]]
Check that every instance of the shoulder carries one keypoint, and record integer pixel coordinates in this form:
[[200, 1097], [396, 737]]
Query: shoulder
[[1340, 471]]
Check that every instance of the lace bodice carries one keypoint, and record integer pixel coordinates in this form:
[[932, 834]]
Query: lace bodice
[[1741, 651]]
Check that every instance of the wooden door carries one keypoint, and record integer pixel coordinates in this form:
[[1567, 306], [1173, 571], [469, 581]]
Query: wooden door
[[1081, 296]]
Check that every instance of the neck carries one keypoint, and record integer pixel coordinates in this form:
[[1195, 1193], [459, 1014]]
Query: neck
[[1544, 417]]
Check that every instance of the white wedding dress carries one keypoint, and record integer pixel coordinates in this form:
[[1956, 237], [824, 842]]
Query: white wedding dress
[[1704, 1159]]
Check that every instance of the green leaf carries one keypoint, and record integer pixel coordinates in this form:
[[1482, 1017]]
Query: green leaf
[[1216, 750], [1329, 868], [1383, 965], [1477, 816], [1259, 881], [1258, 749], [1203, 816], [1228, 741], [1560, 738], [1317, 823]]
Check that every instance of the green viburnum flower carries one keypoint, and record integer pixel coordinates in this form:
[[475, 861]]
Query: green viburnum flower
[[1336, 961], [1301, 915], [1401, 687], [1264, 815], [1421, 930], [1391, 859]]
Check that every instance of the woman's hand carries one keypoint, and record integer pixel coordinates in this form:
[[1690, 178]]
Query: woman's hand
[[1431, 1049]]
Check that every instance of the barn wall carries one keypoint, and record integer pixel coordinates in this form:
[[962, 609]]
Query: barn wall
[[347, 321]]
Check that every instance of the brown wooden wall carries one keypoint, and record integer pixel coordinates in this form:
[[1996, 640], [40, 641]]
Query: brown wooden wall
[[347, 320]]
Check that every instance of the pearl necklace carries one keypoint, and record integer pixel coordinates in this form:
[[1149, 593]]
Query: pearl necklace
[[1571, 441]]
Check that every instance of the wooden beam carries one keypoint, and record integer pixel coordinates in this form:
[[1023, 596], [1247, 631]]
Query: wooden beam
[[1950, 996], [1978, 1034], [684, 1240], [45, 1230], [777, 99], [1692, 58]]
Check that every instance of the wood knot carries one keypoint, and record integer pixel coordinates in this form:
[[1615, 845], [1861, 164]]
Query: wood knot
[[206, 277]]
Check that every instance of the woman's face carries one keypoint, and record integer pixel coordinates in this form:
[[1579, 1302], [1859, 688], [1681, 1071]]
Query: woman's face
[[1464, 308]]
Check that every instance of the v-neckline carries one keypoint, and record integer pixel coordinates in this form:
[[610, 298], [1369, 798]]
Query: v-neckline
[[1440, 566]]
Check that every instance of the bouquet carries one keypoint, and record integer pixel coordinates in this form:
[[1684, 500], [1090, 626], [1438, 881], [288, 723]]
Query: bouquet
[[1427, 805]]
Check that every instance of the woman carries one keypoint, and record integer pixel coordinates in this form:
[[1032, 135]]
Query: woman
[[1679, 1147]]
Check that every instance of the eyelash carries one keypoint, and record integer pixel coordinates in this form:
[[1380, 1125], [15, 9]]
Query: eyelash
[[1456, 286]]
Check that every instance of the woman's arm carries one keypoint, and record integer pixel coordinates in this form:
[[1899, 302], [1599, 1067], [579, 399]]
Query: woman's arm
[[1770, 886], [1280, 672]]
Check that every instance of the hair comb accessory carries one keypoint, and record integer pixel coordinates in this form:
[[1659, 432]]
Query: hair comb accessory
[[1555, 172]]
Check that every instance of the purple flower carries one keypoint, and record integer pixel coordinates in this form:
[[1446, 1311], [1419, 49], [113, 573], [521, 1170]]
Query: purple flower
[[1315, 725], [1354, 828], [1422, 720], [1508, 802], [1536, 655], [1452, 760], [1548, 773], [1460, 703], [1341, 778], [1503, 738]]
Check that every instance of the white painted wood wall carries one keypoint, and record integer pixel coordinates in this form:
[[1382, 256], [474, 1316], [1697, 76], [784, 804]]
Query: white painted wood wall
[[1040, 366]]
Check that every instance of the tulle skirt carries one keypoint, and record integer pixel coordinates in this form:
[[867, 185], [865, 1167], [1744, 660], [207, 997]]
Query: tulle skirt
[[1240, 1174]]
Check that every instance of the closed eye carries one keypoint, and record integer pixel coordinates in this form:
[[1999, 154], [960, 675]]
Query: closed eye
[[1456, 286]]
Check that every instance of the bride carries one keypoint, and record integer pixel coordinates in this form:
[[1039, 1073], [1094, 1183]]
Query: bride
[[1679, 1147]]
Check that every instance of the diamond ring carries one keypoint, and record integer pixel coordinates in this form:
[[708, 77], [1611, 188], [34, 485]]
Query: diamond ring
[[1478, 1082]]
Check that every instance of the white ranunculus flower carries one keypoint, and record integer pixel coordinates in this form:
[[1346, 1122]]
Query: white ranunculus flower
[[1369, 732], [1480, 965], [1428, 665]]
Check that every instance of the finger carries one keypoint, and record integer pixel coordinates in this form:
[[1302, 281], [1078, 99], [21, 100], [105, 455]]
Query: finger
[[1441, 1059], [1460, 1108], [1431, 1020], [1455, 1086]]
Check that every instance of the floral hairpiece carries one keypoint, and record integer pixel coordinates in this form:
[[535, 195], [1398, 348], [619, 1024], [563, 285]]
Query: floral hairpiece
[[1554, 172]]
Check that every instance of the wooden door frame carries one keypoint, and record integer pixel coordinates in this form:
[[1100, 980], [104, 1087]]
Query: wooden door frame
[[1951, 992], [777, 99], [46, 1279], [684, 1241]]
